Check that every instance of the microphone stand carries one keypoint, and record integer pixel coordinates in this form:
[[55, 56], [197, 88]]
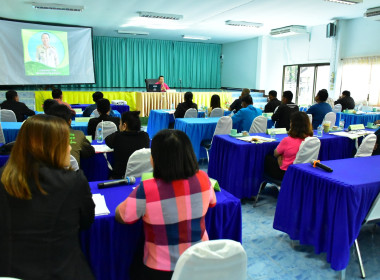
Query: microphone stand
[[180, 85]]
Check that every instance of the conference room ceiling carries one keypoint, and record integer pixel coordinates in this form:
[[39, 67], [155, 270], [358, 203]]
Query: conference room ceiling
[[200, 17]]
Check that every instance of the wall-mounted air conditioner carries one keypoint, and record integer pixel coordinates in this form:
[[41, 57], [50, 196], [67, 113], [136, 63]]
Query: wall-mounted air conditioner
[[373, 13], [288, 31]]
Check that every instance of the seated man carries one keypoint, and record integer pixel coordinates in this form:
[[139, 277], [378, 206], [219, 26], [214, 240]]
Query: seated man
[[236, 105], [80, 146], [273, 102], [184, 106], [57, 96], [319, 110], [284, 111], [346, 101], [89, 109], [243, 119], [48, 103], [12, 103], [104, 108], [161, 82]]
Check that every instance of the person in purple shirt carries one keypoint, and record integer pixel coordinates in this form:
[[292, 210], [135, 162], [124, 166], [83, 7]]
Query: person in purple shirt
[[243, 119], [319, 110]]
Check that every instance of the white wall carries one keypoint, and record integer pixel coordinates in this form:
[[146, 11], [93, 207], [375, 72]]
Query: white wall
[[239, 64]]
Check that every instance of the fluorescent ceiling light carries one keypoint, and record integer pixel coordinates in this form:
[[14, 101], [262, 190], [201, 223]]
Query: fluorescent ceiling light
[[288, 31], [191, 37], [243, 23], [348, 2], [57, 7], [153, 23], [134, 33], [160, 16], [373, 13]]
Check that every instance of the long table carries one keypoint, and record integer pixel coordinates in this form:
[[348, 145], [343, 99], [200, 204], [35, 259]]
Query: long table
[[120, 108], [356, 119], [110, 246], [326, 210], [239, 166]]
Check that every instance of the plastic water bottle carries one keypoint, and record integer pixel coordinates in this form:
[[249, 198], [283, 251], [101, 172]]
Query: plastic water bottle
[[272, 133], [206, 112], [172, 107], [319, 131], [99, 135]]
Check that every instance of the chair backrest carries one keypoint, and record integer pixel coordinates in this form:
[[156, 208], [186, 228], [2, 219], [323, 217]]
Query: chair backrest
[[191, 113], [108, 128], [215, 259], [309, 150], [331, 117], [150, 82], [337, 108], [366, 147], [310, 117], [74, 163], [8, 116], [95, 114], [216, 113], [139, 163], [259, 125], [374, 211], [2, 138], [330, 101], [223, 126]]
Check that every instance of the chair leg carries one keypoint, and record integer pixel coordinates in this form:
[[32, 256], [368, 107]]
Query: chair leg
[[207, 156], [360, 259], [262, 186]]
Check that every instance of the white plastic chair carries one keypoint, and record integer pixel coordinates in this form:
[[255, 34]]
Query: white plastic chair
[[331, 117], [107, 128], [309, 150], [192, 113], [8, 116], [366, 147], [215, 259], [74, 163], [337, 108], [259, 125], [139, 163], [2, 138], [95, 114], [223, 126], [372, 216], [216, 113]]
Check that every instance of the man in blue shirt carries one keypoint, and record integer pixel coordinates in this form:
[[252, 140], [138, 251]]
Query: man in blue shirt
[[243, 119], [319, 110]]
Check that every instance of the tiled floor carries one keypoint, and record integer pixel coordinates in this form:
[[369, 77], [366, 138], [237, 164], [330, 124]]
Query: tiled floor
[[272, 255]]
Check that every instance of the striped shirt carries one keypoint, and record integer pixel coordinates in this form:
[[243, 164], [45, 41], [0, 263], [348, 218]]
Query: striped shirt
[[173, 214]]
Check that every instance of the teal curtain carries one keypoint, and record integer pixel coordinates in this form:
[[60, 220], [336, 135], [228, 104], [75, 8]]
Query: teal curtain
[[121, 62]]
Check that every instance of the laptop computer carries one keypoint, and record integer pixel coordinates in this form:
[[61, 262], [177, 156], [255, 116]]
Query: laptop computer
[[154, 88]]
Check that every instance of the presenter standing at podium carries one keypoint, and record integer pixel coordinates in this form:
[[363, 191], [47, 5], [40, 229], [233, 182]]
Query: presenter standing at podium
[[164, 86]]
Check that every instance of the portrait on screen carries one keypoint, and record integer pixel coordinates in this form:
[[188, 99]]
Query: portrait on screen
[[45, 52]]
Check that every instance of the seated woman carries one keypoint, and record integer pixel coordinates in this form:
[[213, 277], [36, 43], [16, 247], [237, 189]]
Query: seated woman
[[43, 205], [214, 103], [129, 139], [287, 150], [184, 106], [172, 205]]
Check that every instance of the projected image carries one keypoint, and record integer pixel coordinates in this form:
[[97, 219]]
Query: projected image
[[45, 52]]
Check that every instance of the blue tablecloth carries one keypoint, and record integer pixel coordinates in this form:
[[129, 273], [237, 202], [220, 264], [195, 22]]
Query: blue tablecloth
[[11, 129], [110, 246], [356, 119], [79, 115], [239, 166], [197, 129], [120, 108], [326, 210]]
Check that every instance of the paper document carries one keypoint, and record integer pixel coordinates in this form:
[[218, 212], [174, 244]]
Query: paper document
[[102, 149], [352, 134], [100, 205], [256, 139], [170, 111]]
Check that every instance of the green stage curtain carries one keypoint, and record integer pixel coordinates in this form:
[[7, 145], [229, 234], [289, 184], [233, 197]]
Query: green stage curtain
[[124, 62]]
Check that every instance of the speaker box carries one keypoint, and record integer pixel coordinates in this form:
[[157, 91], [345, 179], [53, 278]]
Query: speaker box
[[330, 30]]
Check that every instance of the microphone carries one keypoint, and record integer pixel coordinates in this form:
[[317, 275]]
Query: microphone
[[127, 181], [180, 85], [316, 163]]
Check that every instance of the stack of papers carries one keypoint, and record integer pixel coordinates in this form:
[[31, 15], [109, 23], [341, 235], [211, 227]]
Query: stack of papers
[[100, 205], [170, 111], [352, 134], [256, 139], [102, 149]]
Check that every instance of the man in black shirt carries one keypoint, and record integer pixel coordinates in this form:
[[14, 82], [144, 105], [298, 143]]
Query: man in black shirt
[[346, 101], [236, 105], [283, 112], [273, 102], [12, 103]]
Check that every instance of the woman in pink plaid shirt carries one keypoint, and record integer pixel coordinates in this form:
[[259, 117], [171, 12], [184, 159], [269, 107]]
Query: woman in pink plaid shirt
[[172, 205]]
